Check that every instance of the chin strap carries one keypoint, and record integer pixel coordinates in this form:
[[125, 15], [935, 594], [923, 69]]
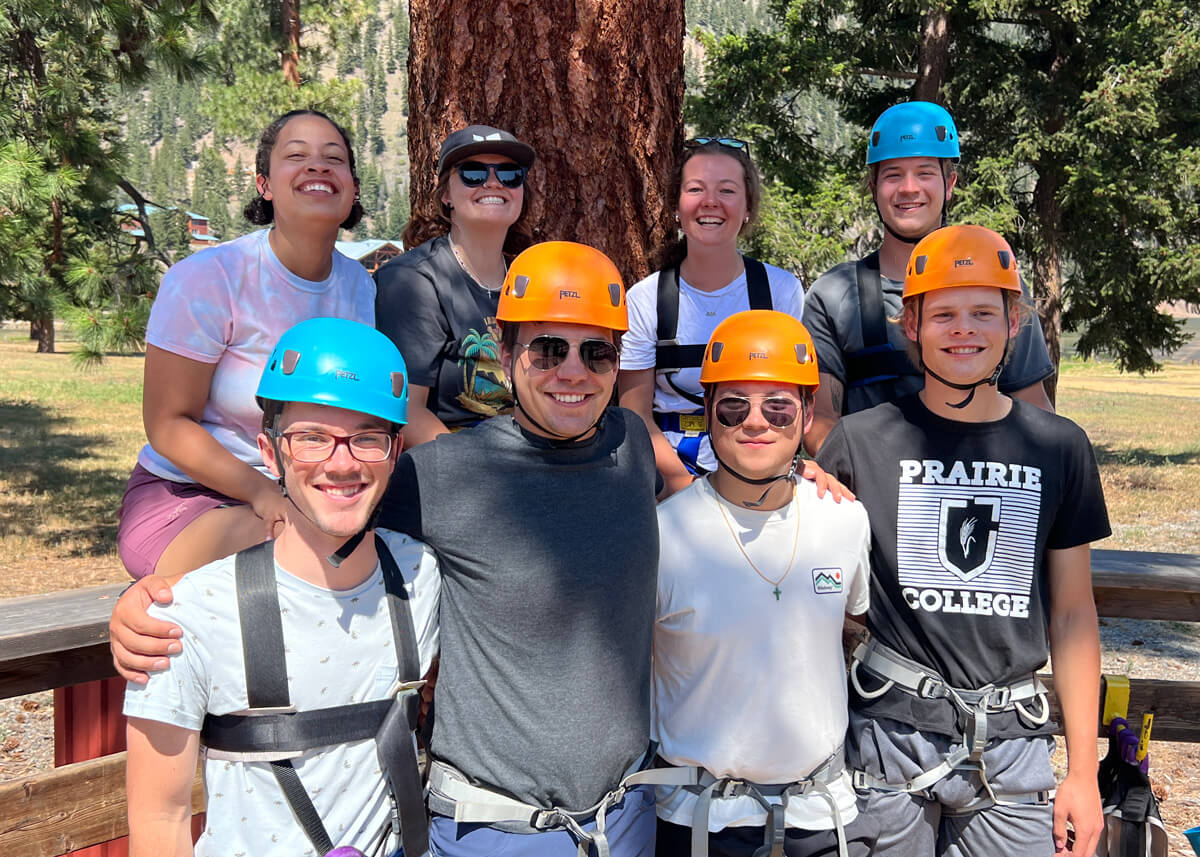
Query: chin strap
[[351, 544], [769, 481], [992, 379]]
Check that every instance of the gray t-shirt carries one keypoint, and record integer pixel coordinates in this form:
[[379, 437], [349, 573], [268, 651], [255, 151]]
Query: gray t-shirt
[[549, 561], [833, 317]]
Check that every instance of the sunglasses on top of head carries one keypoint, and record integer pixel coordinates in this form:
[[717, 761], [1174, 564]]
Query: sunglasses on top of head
[[724, 142], [475, 173], [778, 411], [548, 352]]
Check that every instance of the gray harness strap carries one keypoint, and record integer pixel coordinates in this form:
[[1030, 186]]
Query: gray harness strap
[[451, 793], [709, 788], [897, 671]]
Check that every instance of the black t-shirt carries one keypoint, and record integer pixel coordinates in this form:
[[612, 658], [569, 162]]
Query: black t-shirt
[[444, 323], [962, 515]]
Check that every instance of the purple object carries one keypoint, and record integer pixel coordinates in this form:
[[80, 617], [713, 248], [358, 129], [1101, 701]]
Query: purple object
[[345, 851]]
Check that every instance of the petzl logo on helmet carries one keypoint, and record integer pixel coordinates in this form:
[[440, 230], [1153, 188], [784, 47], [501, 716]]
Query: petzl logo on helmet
[[904, 137], [346, 375], [964, 263], [758, 355], [967, 534], [827, 581], [568, 293]]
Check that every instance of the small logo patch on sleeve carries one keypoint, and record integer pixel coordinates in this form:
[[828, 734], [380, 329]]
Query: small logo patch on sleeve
[[827, 581]]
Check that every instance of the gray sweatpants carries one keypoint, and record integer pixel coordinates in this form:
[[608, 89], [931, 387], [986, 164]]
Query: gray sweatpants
[[931, 824]]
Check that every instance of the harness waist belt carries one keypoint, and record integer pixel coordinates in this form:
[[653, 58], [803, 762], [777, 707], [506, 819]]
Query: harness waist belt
[[709, 787], [897, 671], [452, 794], [670, 356], [682, 423]]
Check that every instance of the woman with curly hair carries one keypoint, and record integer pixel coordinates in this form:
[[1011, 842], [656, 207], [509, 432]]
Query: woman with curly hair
[[200, 491]]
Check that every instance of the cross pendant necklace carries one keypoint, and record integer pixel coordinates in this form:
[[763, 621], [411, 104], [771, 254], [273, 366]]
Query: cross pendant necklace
[[737, 541]]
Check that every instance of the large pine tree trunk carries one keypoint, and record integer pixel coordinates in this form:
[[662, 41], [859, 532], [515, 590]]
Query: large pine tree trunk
[[933, 55], [290, 55], [1047, 271], [596, 87]]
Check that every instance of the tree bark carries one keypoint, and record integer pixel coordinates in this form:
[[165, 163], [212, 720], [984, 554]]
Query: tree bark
[[42, 330], [595, 87], [290, 12], [933, 55]]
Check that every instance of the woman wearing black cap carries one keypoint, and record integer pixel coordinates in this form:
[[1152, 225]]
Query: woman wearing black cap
[[437, 302]]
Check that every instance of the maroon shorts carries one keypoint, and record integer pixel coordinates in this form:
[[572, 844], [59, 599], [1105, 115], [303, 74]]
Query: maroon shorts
[[154, 511]]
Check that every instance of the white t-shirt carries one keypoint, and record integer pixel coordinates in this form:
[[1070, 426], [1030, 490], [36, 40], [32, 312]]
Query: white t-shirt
[[746, 683], [699, 314], [229, 305], [339, 649]]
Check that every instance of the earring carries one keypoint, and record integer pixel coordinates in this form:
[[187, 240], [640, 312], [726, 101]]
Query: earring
[[677, 217], [746, 219]]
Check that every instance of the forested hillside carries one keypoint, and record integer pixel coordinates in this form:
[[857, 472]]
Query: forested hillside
[[191, 145]]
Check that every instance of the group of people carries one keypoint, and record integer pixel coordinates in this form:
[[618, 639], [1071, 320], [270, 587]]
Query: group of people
[[616, 630]]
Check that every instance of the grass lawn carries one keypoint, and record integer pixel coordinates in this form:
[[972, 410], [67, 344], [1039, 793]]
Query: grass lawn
[[69, 437]]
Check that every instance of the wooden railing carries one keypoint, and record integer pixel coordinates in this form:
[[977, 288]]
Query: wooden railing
[[60, 639]]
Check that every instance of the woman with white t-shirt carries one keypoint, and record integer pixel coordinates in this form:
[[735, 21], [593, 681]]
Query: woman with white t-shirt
[[200, 491], [703, 280]]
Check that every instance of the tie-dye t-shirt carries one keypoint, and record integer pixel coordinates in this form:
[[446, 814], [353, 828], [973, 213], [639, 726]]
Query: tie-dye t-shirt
[[229, 305]]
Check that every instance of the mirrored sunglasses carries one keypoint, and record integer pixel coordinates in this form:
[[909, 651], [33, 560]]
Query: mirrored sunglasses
[[548, 352], [474, 173], [726, 142], [778, 411], [368, 447]]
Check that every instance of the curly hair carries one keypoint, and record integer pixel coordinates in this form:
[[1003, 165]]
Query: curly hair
[[260, 211]]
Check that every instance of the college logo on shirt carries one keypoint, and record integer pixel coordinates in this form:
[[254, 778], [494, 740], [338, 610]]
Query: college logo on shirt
[[966, 536], [968, 540], [827, 581]]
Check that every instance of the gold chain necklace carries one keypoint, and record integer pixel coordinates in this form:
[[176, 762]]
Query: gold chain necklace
[[795, 543], [462, 263]]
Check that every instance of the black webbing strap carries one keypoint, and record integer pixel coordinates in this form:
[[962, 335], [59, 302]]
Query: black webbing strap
[[295, 732], [877, 360], [266, 671], [396, 742], [669, 355], [390, 722]]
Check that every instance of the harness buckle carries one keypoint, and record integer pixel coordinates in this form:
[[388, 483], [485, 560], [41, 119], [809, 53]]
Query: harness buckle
[[546, 819], [998, 698], [931, 687]]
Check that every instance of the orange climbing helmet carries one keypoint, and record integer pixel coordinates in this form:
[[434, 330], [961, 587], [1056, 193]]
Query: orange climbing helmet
[[956, 256], [760, 345], [564, 281]]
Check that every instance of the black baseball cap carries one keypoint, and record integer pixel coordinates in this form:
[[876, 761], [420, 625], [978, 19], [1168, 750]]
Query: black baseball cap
[[483, 139]]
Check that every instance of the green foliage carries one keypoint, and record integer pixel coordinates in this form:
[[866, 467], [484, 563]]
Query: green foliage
[[62, 63], [1079, 124]]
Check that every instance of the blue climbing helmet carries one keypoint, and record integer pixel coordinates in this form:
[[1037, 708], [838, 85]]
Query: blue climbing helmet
[[340, 363], [913, 129]]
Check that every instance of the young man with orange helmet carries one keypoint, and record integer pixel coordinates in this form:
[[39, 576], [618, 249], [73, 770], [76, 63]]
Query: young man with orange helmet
[[544, 521], [982, 509], [756, 575], [911, 155]]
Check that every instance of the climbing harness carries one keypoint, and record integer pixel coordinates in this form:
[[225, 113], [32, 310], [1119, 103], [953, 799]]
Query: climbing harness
[[272, 730]]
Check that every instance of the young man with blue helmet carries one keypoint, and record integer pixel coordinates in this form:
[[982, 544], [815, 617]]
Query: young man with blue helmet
[[911, 155], [301, 671]]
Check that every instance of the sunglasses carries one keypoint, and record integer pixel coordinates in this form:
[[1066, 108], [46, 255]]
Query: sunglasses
[[725, 142], [548, 352], [474, 173], [778, 411]]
